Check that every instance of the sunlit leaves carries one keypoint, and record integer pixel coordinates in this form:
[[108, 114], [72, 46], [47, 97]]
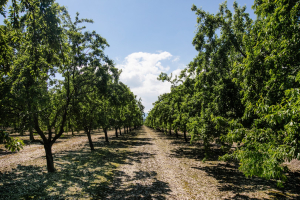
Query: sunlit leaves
[[243, 86], [12, 144]]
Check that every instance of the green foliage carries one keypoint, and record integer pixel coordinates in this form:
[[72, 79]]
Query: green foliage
[[39, 40], [242, 88], [10, 143]]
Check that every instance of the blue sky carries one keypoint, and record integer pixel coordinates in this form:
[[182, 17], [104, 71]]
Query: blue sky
[[146, 37]]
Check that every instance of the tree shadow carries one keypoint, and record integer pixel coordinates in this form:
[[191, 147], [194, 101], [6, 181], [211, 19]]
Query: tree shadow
[[180, 140], [81, 172], [231, 179], [196, 152], [4, 152], [84, 174], [125, 187], [189, 150], [120, 144], [124, 141]]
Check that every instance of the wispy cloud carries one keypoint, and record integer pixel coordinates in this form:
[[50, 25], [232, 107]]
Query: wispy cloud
[[176, 59]]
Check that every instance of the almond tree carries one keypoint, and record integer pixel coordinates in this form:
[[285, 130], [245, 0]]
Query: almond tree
[[44, 47], [269, 78], [89, 74], [245, 86], [37, 56]]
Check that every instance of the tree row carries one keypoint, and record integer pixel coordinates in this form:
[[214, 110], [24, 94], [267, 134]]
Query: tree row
[[39, 42], [242, 89]]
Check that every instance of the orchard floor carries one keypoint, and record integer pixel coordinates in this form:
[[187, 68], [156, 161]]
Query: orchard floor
[[144, 164]]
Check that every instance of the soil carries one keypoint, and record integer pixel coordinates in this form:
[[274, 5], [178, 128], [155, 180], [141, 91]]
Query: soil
[[32, 151], [144, 164]]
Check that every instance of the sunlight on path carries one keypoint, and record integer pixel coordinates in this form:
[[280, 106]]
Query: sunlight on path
[[157, 174]]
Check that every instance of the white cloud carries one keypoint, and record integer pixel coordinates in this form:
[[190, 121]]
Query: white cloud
[[140, 71], [176, 73]]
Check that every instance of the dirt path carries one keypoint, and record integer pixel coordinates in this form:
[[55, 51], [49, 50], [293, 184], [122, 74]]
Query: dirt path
[[144, 164], [168, 168], [157, 174]]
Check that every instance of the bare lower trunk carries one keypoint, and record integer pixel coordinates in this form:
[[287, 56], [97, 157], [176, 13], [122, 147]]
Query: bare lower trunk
[[31, 134], [105, 132], [49, 157], [120, 131], [170, 131], [116, 132], [206, 148], [184, 133], [22, 132], [127, 130], [88, 132]]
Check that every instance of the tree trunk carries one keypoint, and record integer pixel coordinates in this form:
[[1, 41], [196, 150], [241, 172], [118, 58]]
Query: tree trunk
[[105, 132], [120, 131], [22, 132], [184, 132], [88, 132], [206, 148], [170, 131], [176, 132], [127, 130], [116, 132], [49, 157], [124, 130], [31, 134]]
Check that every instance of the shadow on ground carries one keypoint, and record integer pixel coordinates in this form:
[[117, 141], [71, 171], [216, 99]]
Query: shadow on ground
[[85, 174], [229, 178], [158, 189], [124, 141], [6, 152]]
